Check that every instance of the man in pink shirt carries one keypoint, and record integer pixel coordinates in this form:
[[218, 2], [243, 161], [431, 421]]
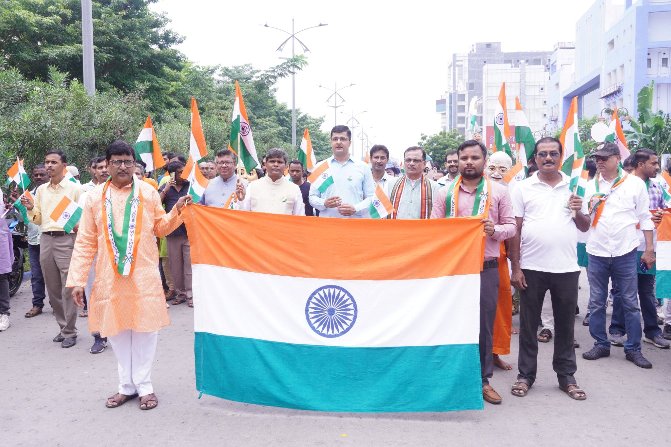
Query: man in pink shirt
[[472, 194]]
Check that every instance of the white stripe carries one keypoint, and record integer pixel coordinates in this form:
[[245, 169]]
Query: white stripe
[[67, 213], [145, 134], [663, 254], [426, 312]]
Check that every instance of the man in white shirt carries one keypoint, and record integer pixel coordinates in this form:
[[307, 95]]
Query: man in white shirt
[[618, 202], [273, 193], [452, 164], [544, 257]]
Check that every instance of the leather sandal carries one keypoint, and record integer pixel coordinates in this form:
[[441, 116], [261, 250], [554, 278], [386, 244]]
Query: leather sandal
[[574, 391], [520, 389], [119, 399], [35, 311], [148, 402]]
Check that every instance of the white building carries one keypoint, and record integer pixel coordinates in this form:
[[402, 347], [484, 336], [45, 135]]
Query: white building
[[562, 75]]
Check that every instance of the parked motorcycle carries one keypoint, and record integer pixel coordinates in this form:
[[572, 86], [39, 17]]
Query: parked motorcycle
[[20, 242]]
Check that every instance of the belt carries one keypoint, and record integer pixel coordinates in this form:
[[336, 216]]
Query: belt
[[491, 264], [54, 233]]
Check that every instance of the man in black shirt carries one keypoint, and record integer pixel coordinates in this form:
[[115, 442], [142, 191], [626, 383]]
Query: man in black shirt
[[298, 177], [179, 250]]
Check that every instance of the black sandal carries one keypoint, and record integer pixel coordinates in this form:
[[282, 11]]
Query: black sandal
[[545, 336]]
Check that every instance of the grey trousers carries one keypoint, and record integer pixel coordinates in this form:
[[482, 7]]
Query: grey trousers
[[55, 254], [489, 298], [179, 258]]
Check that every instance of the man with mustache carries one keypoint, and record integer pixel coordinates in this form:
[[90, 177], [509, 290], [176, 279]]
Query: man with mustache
[[452, 164], [55, 244], [472, 194], [544, 257], [379, 157], [618, 202]]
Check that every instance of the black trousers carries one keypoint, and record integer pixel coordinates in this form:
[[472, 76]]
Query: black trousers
[[563, 289]]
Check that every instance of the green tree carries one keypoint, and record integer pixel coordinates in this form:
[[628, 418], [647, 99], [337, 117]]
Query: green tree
[[133, 46], [38, 116], [652, 130], [437, 145]]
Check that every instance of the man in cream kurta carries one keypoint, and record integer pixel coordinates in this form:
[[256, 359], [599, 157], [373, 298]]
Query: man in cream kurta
[[274, 193], [127, 303]]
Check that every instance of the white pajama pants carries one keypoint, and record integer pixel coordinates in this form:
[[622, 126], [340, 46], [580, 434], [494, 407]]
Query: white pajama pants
[[134, 352]]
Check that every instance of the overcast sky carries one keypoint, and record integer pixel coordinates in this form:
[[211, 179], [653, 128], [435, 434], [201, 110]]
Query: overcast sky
[[396, 55]]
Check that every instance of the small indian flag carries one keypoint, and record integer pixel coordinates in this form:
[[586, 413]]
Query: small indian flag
[[197, 147], [21, 207], [343, 326], [501, 126], [17, 174], [617, 135], [321, 178], [666, 187], [232, 202], [147, 148], [197, 181], [573, 161], [306, 155], [242, 139], [68, 175], [663, 264], [66, 214], [380, 206]]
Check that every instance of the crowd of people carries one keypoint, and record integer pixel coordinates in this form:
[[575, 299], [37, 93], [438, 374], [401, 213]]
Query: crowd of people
[[128, 259]]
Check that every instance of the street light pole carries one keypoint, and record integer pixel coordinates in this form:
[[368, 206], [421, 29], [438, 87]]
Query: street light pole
[[336, 97], [293, 38], [87, 45]]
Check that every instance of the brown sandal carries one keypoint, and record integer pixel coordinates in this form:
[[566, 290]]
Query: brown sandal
[[148, 402], [119, 399], [545, 336], [179, 299], [574, 391], [520, 389], [35, 311]]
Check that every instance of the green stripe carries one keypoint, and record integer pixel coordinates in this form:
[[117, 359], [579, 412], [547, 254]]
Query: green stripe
[[303, 158], [74, 220], [23, 210], [399, 379], [324, 186], [373, 212], [663, 289], [523, 135], [567, 166], [143, 147]]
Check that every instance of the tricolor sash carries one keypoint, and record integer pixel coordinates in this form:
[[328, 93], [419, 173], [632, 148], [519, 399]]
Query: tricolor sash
[[483, 194], [122, 247], [426, 197], [598, 200]]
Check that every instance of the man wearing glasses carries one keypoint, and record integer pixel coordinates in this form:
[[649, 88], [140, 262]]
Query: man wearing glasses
[[352, 186], [412, 195], [452, 165], [618, 202], [220, 188]]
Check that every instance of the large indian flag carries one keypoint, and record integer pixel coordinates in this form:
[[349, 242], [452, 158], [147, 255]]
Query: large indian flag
[[351, 324], [663, 264], [197, 146], [305, 153], [197, 181], [147, 148]]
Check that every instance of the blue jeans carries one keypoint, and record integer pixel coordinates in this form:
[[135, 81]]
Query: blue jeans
[[646, 297], [36, 278], [622, 270]]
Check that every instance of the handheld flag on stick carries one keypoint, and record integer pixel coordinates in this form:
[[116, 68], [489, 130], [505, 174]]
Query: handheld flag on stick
[[380, 207], [617, 135], [242, 140], [573, 161], [306, 155], [22, 208], [17, 174], [66, 214], [147, 148], [321, 178], [501, 127], [197, 181], [197, 147]]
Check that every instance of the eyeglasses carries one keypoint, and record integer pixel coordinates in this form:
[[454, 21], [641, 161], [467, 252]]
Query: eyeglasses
[[336, 139], [126, 163], [553, 154], [601, 157], [413, 160], [225, 163]]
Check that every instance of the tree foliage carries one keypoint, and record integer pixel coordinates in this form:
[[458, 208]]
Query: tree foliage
[[652, 130], [437, 145]]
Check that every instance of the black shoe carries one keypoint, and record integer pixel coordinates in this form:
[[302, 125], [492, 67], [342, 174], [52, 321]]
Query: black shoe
[[596, 353], [99, 345], [585, 321], [637, 359], [59, 338], [69, 342]]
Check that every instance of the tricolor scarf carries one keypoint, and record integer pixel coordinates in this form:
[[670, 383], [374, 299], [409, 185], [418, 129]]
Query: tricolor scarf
[[597, 206], [483, 194], [123, 247], [232, 202], [426, 196]]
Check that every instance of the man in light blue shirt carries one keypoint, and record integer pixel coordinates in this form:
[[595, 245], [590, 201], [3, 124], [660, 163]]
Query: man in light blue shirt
[[220, 188], [353, 184]]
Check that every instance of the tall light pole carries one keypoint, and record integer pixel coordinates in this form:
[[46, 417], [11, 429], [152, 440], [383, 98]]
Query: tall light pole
[[337, 98], [87, 45], [293, 38]]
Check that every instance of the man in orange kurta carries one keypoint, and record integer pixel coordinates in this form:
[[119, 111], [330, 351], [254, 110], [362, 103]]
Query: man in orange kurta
[[124, 216]]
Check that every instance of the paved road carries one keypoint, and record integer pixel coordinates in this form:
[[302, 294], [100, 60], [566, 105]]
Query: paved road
[[51, 396]]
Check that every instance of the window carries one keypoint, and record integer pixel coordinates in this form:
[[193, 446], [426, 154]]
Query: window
[[489, 45], [611, 44], [461, 97], [649, 63], [471, 85], [461, 109], [665, 62]]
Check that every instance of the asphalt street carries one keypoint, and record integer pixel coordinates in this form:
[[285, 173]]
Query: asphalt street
[[50, 396]]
